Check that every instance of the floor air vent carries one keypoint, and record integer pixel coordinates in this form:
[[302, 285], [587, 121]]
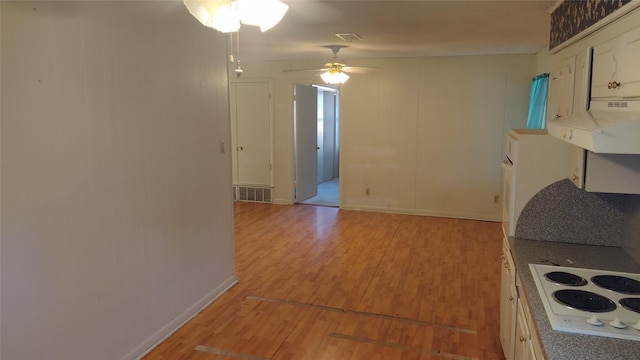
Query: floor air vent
[[252, 193]]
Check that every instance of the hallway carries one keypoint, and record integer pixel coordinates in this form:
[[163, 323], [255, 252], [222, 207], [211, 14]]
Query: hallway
[[321, 283], [328, 194]]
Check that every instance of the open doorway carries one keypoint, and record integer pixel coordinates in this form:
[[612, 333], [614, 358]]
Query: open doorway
[[316, 145]]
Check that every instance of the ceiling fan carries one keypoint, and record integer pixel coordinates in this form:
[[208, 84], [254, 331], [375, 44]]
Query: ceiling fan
[[336, 72]]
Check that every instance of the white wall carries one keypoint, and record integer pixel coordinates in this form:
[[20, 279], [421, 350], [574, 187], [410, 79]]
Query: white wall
[[424, 135], [116, 203]]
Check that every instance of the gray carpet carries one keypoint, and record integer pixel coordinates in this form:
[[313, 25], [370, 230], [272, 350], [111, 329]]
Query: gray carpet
[[328, 194]]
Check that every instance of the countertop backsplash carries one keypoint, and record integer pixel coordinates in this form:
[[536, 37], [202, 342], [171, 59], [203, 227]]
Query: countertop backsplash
[[631, 243], [563, 213]]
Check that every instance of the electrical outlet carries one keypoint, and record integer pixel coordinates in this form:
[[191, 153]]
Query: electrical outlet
[[496, 199], [367, 191], [222, 147]]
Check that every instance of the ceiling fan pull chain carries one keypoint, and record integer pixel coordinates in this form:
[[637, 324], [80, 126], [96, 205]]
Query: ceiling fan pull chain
[[238, 69]]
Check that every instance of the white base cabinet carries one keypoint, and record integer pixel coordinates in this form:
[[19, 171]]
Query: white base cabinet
[[508, 298], [518, 337]]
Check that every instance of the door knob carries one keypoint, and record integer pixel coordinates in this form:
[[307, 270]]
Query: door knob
[[317, 147]]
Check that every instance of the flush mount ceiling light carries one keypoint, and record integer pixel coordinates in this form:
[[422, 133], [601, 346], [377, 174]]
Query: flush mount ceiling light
[[334, 74], [227, 15]]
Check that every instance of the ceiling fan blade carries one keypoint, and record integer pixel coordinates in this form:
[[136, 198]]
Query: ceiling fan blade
[[360, 69], [305, 70]]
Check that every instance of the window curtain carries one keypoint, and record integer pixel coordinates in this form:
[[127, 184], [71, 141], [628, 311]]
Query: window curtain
[[537, 117]]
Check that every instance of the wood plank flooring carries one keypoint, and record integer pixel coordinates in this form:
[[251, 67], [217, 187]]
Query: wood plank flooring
[[322, 283]]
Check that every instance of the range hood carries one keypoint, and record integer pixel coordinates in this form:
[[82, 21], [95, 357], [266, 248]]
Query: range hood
[[609, 127]]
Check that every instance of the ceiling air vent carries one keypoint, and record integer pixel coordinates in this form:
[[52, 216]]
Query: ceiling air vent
[[348, 37]]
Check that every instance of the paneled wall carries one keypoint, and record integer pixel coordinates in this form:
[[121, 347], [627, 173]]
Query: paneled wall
[[116, 203], [424, 135]]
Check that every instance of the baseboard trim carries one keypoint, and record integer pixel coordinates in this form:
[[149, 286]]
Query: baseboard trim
[[161, 335], [481, 217]]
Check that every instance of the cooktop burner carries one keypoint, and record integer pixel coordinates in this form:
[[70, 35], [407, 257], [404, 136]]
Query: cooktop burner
[[566, 278], [632, 304], [584, 300], [589, 301], [617, 283]]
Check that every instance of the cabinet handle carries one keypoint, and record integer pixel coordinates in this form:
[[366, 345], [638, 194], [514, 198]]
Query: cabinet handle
[[506, 266], [522, 339], [574, 177], [613, 85], [240, 148], [510, 298]]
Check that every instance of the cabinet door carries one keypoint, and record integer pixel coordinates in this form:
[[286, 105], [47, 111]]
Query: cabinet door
[[604, 69], [628, 68], [536, 349], [561, 88], [523, 347], [507, 305], [581, 82], [576, 172]]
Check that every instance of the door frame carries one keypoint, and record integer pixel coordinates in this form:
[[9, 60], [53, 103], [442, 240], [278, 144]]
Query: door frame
[[337, 143]]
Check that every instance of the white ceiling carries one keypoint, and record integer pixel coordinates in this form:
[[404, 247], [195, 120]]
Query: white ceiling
[[400, 28]]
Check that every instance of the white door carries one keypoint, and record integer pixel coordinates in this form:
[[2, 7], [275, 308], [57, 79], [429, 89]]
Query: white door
[[251, 132], [329, 135], [306, 142]]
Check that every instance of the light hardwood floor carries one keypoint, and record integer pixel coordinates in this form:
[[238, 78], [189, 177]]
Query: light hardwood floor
[[321, 283]]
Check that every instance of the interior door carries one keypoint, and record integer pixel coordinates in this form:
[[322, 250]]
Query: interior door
[[329, 134], [251, 132], [306, 143]]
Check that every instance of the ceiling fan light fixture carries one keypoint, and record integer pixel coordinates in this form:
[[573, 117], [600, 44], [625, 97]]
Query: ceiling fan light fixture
[[334, 77], [226, 19], [262, 13], [202, 10], [226, 15]]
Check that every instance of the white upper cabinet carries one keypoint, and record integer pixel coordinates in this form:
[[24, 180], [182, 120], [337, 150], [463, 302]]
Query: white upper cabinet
[[561, 88], [604, 69], [581, 81], [615, 69], [629, 64]]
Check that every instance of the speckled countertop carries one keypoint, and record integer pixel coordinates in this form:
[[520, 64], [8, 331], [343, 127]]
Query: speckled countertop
[[563, 345]]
